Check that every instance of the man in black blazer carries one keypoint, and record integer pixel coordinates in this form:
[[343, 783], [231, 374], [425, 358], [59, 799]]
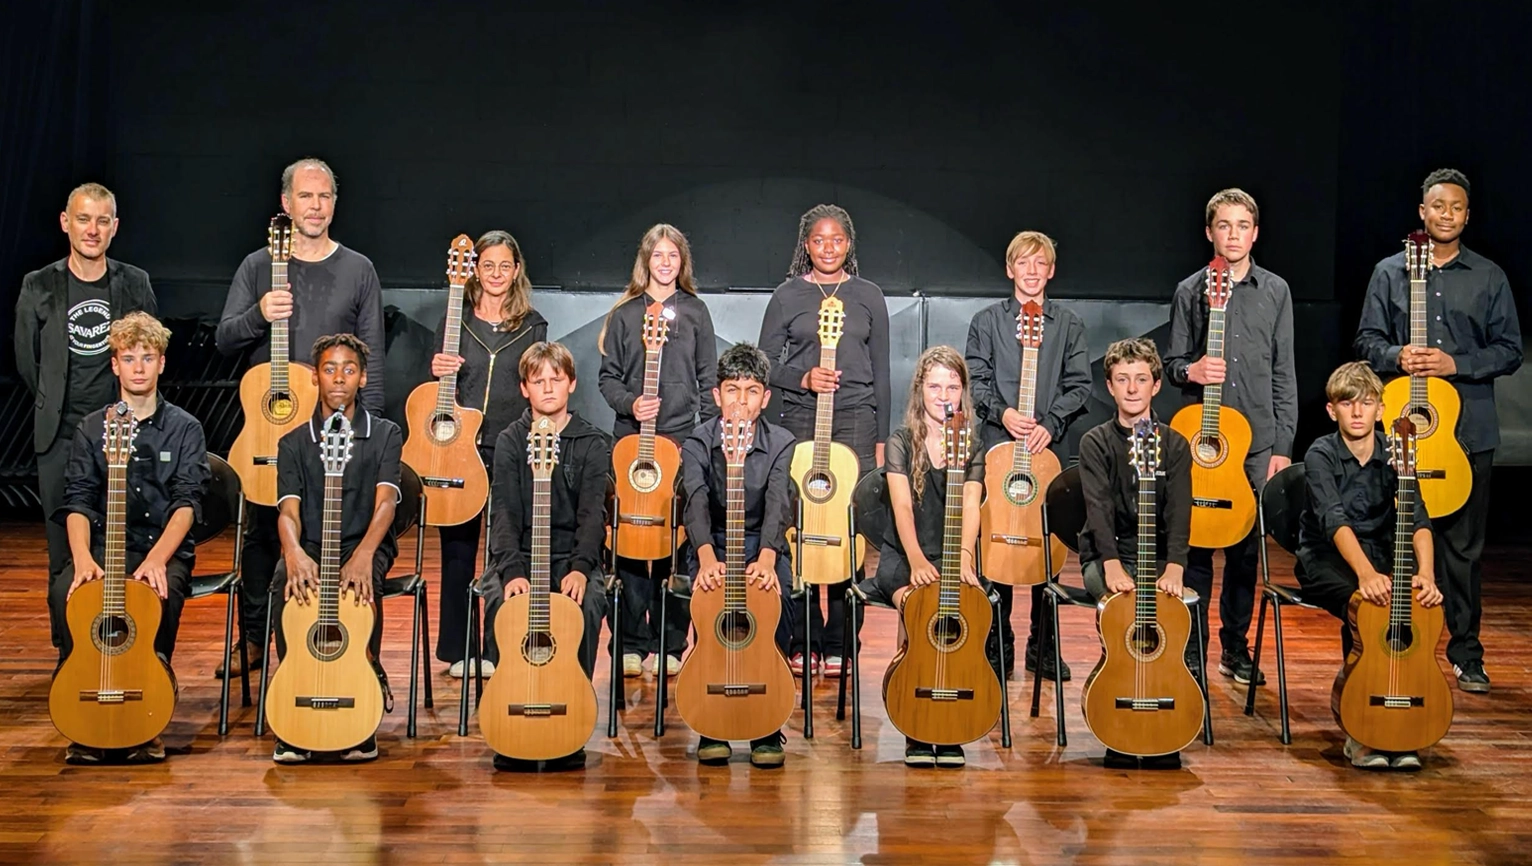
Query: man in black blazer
[[63, 317]]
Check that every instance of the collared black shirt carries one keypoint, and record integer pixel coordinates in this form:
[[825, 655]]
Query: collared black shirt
[[374, 463], [688, 365], [994, 365], [1110, 484], [1262, 380], [931, 508], [576, 507], [768, 484], [1470, 315], [168, 472], [1344, 492], [790, 339]]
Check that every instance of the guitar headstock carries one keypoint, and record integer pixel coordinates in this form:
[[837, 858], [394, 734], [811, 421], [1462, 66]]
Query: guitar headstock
[[1029, 325], [956, 438], [832, 321], [1418, 248], [1401, 447], [738, 434], [279, 238], [1218, 287], [335, 445], [543, 448], [460, 259], [121, 430], [1144, 448], [656, 326]]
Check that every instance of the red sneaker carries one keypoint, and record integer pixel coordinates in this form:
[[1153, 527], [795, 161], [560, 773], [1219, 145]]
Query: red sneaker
[[833, 667], [796, 663]]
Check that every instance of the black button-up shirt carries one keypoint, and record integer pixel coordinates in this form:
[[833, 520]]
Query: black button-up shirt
[[1262, 381], [374, 463], [168, 472], [1344, 492], [931, 508], [994, 365], [768, 485], [1470, 315], [1110, 485], [688, 365]]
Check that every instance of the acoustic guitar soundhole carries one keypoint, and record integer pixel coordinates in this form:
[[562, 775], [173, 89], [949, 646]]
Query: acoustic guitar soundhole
[[538, 648], [947, 632], [1399, 638], [1423, 416], [1020, 488], [327, 641], [1209, 451], [1146, 642], [819, 486], [444, 428], [735, 629], [279, 407], [645, 476], [113, 633]]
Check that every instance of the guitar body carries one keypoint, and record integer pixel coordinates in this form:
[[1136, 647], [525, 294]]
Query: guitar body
[[443, 450], [1380, 665], [115, 653], [1150, 668], [943, 652], [646, 488], [1445, 476], [1011, 520], [268, 417], [1223, 503], [826, 499], [325, 663], [538, 705], [736, 649]]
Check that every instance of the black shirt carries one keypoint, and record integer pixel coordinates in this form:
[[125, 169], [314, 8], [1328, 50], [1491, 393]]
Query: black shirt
[[1110, 485], [931, 507], [790, 339], [1344, 492], [490, 378], [768, 485], [994, 364], [374, 463], [168, 472], [576, 523], [688, 365], [89, 320], [1470, 315]]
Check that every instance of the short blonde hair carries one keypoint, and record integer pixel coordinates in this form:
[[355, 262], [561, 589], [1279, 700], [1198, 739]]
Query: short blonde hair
[[1130, 350], [138, 328], [1027, 243], [546, 352], [1351, 381], [94, 192], [1235, 196]]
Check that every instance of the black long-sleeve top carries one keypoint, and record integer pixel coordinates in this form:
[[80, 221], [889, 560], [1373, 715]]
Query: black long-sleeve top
[[577, 501], [376, 444], [490, 378], [1470, 315], [768, 493], [930, 510], [338, 295], [1110, 484], [790, 339], [688, 365], [168, 472], [1344, 492], [994, 367]]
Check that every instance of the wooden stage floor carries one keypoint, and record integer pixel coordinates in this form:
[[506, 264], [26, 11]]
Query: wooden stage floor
[[435, 799]]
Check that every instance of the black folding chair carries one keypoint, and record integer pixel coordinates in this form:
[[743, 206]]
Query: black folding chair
[[614, 586], [870, 517], [223, 506], [1282, 503], [1064, 516]]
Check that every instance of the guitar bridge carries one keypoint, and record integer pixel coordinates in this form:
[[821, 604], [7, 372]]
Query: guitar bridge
[[537, 710], [944, 694], [822, 540], [1395, 702], [313, 703], [1146, 705], [1016, 540], [1430, 474], [736, 690], [443, 483], [264, 461], [111, 696], [1205, 502], [642, 520]]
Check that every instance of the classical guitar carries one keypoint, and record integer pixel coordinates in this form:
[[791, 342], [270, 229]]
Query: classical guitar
[[940, 687], [1142, 699], [1223, 504], [113, 692], [325, 696], [443, 445], [735, 684], [1011, 531], [1392, 694], [826, 473], [277, 395], [647, 465], [1432, 404], [539, 704]]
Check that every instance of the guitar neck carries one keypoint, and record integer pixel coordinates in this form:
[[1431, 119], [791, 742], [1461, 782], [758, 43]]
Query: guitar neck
[[734, 540], [824, 414], [1419, 335], [1026, 404], [952, 543], [113, 587], [1212, 395], [280, 351], [446, 389], [1404, 552], [540, 576], [1145, 611], [651, 389], [329, 551]]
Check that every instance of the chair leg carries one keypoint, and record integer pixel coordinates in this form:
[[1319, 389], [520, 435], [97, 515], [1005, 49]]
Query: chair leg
[[228, 656], [854, 610], [840, 700], [410, 717], [469, 658], [425, 645], [1260, 636], [1276, 621], [614, 698], [244, 649], [808, 659], [1005, 687], [1037, 676], [1058, 666], [267, 657], [1202, 682], [661, 688]]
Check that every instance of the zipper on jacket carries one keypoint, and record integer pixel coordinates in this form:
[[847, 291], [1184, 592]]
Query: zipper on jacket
[[489, 371]]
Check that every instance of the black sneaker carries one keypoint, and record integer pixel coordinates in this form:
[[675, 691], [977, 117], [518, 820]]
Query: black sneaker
[[767, 752], [1115, 760], [710, 751], [1237, 664], [950, 756], [918, 754], [1194, 665], [81, 755], [573, 761], [1047, 666], [282, 753], [1171, 761], [151, 752], [507, 764], [1471, 677], [366, 750]]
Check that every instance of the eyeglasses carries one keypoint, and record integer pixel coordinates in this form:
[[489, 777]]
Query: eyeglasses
[[500, 268]]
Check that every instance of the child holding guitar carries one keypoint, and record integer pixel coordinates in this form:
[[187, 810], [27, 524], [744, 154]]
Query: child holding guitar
[[1347, 528], [684, 358], [369, 492], [576, 503]]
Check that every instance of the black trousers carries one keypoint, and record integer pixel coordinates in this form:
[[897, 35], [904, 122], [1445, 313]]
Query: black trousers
[[177, 585], [262, 555], [643, 590], [1459, 542], [460, 557], [1236, 598], [1328, 581], [855, 427], [381, 563], [50, 490], [1007, 595], [593, 609]]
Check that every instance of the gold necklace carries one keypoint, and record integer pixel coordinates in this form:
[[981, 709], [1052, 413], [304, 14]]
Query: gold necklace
[[830, 294]]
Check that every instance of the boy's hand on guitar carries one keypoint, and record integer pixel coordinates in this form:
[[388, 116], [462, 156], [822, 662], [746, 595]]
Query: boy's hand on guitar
[[1208, 371], [574, 585], [517, 586], [85, 570], [923, 572], [277, 304], [1430, 593], [1038, 439], [1116, 576], [764, 571], [443, 364], [302, 578], [822, 380], [152, 572], [646, 408], [709, 576], [1017, 424], [356, 575], [1170, 582], [1375, 587]]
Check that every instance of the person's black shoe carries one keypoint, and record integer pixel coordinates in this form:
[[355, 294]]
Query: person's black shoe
[[367, 750], [572, 761], [1471, 677], [950, 756], [1171, 761], [1237, 664], [918, 754], [1047, 665], [710, 751], [514, 765], [1194, 665], [767, 752], [1115, 760]]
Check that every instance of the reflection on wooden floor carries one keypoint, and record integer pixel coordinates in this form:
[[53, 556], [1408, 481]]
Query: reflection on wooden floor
[[435, 799]]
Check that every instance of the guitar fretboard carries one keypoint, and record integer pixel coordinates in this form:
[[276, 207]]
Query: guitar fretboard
[[1145, 612], [280, 352], [1419, 336], [446, 389], [329, 550], [1026, 404], [1404, 552], [734, 539], [540, 577], [1212, 395], [824, 414], [952, 543], [651, 389], [113, 589]]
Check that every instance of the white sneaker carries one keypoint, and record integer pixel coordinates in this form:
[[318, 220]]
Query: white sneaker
[[1363, 757], [632, 664], [651, 665], [455, 670], [672, 666], [488, 667], [458, 670]]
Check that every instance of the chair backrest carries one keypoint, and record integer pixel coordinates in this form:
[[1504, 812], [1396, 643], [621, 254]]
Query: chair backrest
[[407, 512], [869, 504], [220, 502], [1282, 503], [1065, 502]]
